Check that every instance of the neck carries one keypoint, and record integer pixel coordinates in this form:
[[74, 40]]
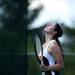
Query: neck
[[49, 38]]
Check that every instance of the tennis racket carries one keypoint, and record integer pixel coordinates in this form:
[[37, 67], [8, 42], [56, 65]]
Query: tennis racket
[[39, 49]]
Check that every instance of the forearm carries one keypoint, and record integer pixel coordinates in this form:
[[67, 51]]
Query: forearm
[[56, 67]]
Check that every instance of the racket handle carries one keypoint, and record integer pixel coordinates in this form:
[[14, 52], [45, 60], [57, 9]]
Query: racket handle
[[42, 62], [43, 73]]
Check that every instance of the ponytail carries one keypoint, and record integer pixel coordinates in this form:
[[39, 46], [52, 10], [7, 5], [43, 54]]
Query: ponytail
[[57, 40]]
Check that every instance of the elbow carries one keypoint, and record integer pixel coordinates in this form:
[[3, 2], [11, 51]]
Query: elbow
[[60, 67]]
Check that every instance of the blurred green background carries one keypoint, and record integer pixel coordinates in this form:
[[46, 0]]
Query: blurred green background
[[13, 37], [14, 43]]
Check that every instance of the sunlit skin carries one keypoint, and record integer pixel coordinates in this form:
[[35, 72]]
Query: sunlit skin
[[54, 49]]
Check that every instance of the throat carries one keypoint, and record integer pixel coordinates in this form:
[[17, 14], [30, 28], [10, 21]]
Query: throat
[[49, 38]]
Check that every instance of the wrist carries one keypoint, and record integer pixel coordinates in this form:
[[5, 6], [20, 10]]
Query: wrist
[[48, 68]]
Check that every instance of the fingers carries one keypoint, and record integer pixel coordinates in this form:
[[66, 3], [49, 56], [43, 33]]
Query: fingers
[[40, 57], [43, 68]]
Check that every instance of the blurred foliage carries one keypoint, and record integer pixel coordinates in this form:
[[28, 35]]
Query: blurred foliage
[[14, 25], [33, 66], [32, 14], [30, 46], [13, 37], [69, 65], [69, 46]]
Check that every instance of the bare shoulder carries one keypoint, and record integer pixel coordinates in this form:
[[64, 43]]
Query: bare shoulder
[[53, 44], [55, 47]]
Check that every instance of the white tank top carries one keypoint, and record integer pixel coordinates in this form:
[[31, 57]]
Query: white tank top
[[49, 56]]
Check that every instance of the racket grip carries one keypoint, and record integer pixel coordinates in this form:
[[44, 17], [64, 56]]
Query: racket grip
[[42, 62]]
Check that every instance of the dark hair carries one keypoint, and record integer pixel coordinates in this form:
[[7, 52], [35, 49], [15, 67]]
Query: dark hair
[[59, 34], [59, 30]]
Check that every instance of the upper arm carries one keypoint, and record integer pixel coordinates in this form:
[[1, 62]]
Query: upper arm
[[57, 53]]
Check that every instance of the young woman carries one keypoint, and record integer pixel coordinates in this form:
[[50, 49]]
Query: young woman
[[52, 49]]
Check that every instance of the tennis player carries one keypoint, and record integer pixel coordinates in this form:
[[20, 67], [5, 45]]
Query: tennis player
[[52, 49]]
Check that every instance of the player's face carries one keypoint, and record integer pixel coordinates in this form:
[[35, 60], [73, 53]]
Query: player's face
[[49, 28]]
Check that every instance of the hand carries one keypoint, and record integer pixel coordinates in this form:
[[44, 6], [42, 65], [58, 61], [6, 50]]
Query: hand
[[44, 68], [40, 57]]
